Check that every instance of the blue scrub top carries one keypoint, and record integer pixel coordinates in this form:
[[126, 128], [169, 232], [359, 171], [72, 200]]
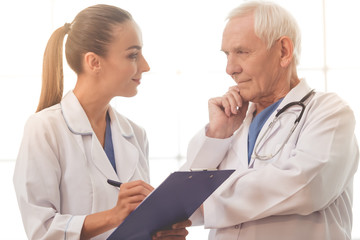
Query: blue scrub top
[[257, 124], [109, 148]]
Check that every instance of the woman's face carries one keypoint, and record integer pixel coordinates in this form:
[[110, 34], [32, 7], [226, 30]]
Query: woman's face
[[124, 63]]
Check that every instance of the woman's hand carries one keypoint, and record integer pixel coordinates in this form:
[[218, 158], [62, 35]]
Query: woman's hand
[[226, 113], [177, 232], [130, 196]]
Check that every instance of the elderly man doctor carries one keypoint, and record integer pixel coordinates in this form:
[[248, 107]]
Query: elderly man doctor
[[294, 149]]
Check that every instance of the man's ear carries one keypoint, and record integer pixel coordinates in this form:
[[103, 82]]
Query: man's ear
[[287, 50], [92, 62]]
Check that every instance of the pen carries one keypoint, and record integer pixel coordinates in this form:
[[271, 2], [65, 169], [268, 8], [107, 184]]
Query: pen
[[114, 183]]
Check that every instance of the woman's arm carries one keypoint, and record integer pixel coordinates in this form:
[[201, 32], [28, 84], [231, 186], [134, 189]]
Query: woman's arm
[[130, 196]]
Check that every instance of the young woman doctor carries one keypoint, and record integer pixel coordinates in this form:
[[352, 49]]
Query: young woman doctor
[[72, 145]]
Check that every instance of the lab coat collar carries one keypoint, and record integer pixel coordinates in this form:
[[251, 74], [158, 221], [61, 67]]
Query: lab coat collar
[[126, 154], [78, 123], [240, 143], [74, 115], [295, 94], [122, 123]]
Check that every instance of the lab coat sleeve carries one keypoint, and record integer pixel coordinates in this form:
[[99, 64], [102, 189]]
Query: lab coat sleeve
[[323, 158], [198, 155], [144, 145], [198, 151], [36, 180]]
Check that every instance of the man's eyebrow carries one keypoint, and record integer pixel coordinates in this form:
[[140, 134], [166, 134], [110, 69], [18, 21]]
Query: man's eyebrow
[[223, 51], [238, 48], [134, 47], [235, 49]]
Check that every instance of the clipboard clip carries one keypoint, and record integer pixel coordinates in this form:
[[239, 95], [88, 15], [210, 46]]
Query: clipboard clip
[[202, 169]]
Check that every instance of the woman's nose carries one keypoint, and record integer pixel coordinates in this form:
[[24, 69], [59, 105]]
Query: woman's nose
[[145, 66]]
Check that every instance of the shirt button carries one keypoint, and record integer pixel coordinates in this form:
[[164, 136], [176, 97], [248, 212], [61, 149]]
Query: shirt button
[[237, 226]]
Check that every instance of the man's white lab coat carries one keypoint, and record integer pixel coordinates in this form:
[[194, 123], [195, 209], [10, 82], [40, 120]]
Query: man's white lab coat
[[304, 192]]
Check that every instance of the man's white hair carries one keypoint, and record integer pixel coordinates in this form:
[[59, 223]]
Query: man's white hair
[[271, 22]]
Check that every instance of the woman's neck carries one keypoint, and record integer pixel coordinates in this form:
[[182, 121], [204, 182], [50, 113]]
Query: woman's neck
[[95, 105]]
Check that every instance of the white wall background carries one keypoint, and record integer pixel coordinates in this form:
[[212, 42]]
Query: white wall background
[[182, 45]]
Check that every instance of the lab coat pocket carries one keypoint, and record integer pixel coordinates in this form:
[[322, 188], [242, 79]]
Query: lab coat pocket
[[287, 151]]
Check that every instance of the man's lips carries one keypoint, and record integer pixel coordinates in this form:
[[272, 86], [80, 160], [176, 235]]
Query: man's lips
[[242, 81]]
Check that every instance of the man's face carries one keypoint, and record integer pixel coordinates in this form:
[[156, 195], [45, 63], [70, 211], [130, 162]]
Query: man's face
[[254, 68]]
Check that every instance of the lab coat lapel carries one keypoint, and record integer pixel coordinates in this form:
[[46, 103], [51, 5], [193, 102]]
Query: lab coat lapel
[[74, 115], [78, 123], [259, 145], [126, 154], [290, 97], [240, 144], [100, 159]]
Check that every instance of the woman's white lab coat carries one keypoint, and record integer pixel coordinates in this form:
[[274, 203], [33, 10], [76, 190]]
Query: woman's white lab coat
[[62, 170], [305, 192]]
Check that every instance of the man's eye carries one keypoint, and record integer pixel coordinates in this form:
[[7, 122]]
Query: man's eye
[[241, 52]]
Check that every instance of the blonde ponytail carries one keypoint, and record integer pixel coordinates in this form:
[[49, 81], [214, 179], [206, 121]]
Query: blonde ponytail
[[52, 74], [90, 31]]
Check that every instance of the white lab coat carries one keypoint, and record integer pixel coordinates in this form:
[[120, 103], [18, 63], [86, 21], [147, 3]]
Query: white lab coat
[[61, 171], [305, 192]]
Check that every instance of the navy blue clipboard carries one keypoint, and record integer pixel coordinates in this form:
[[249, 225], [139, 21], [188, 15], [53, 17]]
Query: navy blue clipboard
[[175, 200]]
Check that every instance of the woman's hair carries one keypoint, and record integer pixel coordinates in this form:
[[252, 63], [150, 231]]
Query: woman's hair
[[271, 23], [91, 31]]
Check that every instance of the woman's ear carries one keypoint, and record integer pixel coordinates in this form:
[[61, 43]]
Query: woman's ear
[[92, 62], [287, 50]]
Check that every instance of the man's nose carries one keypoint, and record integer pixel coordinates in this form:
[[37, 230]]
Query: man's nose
[[233, 66]]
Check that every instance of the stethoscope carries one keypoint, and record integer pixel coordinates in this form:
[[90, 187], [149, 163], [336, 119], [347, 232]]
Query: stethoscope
[[300, 103]]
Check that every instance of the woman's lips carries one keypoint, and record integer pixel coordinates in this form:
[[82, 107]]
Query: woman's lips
[[137, 80]]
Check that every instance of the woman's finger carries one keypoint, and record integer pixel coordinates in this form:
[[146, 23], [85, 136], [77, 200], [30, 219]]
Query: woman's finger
[[171, 234], [183, 224]]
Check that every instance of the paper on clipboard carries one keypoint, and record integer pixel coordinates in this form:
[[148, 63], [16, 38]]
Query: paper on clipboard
[[175, 200]]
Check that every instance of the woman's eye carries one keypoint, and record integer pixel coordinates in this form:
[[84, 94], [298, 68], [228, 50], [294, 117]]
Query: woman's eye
[[133, 56]]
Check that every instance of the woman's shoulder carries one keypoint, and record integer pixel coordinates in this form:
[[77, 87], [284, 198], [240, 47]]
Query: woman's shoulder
[[44, 118]]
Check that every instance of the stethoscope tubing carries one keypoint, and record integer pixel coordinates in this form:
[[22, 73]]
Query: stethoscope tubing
[[296, 122]]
